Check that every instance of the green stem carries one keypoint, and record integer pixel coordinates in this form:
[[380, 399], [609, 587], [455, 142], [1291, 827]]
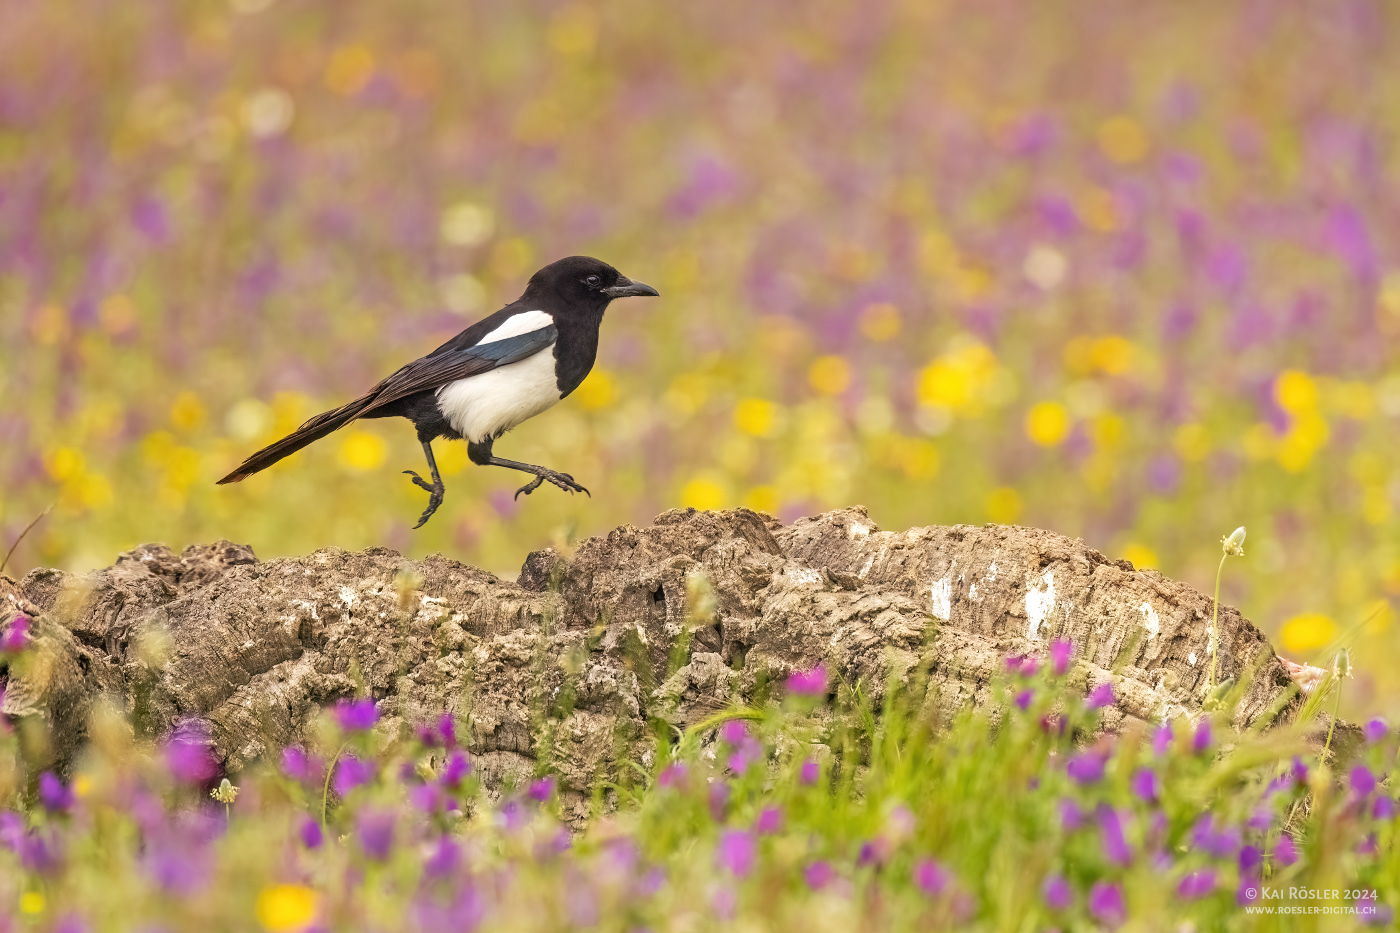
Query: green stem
[[1336, 710], [326, 790], [1214, 617]]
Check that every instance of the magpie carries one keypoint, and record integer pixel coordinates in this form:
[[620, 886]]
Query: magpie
[[504, 369]]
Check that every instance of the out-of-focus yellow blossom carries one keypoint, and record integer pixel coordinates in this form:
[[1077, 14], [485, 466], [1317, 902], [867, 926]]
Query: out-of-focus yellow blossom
[[117, 314], [1307, 632], [573, 30], [1112, 354], [1141, 555], [1388, 303], [64, 463], [940, 258], [1192, 442], [1375, 505], [599, 390], [704, 492], [1355, 400], [763, 499], [363, 450], [289, 410], [687, 393], [1004, 505], [247, 419], [1123, 139], [960, 379], [32, 902], [286, 908], [510, 258], [187, 411], [1098, 209], [349, 70], [880, 321], [1047, 423], [1295, 391], [829, 375], [1306, 436], [451, 458], [915, 457], [1259, 441], [1106, 430], [757, 416], [82, 785], [49, 325]]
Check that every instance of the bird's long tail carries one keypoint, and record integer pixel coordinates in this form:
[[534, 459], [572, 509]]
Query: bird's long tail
[[310, 432]]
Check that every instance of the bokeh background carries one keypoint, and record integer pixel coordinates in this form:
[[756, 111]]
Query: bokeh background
[[1122, 270]]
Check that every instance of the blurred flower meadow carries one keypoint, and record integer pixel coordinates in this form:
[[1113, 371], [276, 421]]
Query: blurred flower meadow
[[1121, 270]]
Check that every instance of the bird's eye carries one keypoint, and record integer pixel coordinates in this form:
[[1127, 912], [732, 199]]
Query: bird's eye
[[593, 281]]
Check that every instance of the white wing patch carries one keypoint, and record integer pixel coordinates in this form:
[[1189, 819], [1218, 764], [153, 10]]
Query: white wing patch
[[518, 324]]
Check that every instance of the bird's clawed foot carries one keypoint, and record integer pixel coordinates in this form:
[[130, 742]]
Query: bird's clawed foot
[[563, 480], [435, 494]]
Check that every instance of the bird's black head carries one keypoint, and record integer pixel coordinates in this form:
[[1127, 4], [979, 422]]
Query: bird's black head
[[582, 281]]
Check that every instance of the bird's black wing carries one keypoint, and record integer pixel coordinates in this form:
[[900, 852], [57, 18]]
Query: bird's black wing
[[442, 368]]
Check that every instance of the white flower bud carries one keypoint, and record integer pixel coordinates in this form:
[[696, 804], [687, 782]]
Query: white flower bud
[[1234, 544]]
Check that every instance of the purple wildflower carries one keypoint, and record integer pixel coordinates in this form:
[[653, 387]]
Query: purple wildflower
[[299, 766], [1060, 651], [1023, 699], [1029, 668], [541, 790], [1014, 662], [1200, 739], [810, 772], [351, 773], [355, 715], [1115, 847], [734, 731], [190, 762], [71, 923], [1260, 820], [1057, 892], [447, 730], [310, 833], [1071, 816], [770, 821], [511, 815], [1251, 861], [458, 766], [175, 867], [819, 874], [1145, 785], [426, 797], [672, 775], [1285, 850], [53, 794], [1362, 781], [808, 683], [874, 852], [16, 637], [1162, 739], [1197, 884], [931, 877], [1383, 808], [736, 852], [1086, 768], [376, 833], [718, 800], [1221, 842], [1106, 904], [1375, 730], [1102, 696]]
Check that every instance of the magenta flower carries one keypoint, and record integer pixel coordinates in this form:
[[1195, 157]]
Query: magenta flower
[[447, 730], [1260, 820], [299, 766], [718, 800], [1014, 662], [310, 833], [1251, 861], [1071, 816], [672, 775], [1362, 781], [456, 769], [1375, 730], [1197, 885], [355, 715], [53, 794], [1201, 739], [1023, 699], [1056, 892], [736, 852], [1383, 808], [931, 877], [810, 772], [1145, 785], [734, 731], [190, 762], [1162, 739], [1106, 904], [1030, 667], [444, 861], [1285, 850], [808, 683], [427, 797], [541, 790], [1086, 768], [819, 874], [770, 821], [1060, 651], [16, 637], [351, 773], [375, 829], [1219, 841], [1115, 847], [1102, 696]]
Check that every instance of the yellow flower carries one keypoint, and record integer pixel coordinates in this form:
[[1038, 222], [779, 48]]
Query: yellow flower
[[1123, 140], [1295, 392], [829, 375], [1112, 354], [756, 416], [1004, 505], [960, 380], [597, 391], [362, 450], [704, 493], [286, 908], [1047, 423], [762, 499], [573, 30], [187, 411], [31, 902], [1141, 555], [1307, 632], [350, 69]]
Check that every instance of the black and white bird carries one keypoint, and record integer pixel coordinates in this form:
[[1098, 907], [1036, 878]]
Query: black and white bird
[[502, 370]]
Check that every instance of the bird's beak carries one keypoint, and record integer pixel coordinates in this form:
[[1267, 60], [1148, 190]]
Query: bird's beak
[[626, 288]]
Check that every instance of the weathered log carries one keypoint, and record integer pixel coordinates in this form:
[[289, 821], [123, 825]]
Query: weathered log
[[571, 660]]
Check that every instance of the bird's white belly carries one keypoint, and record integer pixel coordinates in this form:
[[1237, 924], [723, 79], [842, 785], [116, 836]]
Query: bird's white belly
[[485, 406]]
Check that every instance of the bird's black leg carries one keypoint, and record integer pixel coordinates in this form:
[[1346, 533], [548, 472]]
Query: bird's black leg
[[435, 489], [481, 455]]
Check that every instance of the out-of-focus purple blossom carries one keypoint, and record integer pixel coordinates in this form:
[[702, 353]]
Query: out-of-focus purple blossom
[[1383, 808], [1162, 739], [12, 830], [458, 766], [511, 815], [461, 915], [1106, 904], [1061, 650], [808, 683], [931, 877], [770, 821], [723, 902], [1023, 699], [1086, 767], [1260, 820], [736, 852], [734, 731], [1029, 668], [1349, 239], [176, 866], [1375, 730], [874, 852], [190, 761], [1071, 816], [1053, 723], [1057, 893], [299, 766], [673, 775], [1145, 785], [1013, 663], [310, 833], [41, 854], [1362, 781], [1197, 885], [351, 773], [810, 772], [53, 794], [1219, 841], [541, 790], [355, 715], [447, 730], [718, 800], [1368, 846], [1251, 860], [375, 832], [1115, 848], [16, 637], [427, 797], [554, 844], [649, 882], [1201, 738], [1376, 915], [1101, 696], [819, 874], [1285, 850]]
